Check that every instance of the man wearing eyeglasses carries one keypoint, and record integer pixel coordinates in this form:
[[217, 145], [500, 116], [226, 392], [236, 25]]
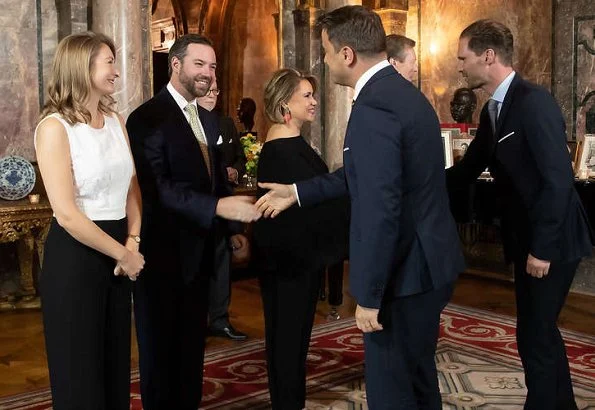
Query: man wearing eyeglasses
[[233, 154], [220, 283]]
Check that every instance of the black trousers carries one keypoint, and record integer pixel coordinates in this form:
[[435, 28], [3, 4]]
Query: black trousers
[[334, 278], [400, 369], [289, 306], [171, 321], [86, 317], [220, 287], [540, 345]]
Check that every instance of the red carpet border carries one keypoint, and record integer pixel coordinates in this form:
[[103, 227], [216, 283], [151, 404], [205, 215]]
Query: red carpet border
[[477, 360]]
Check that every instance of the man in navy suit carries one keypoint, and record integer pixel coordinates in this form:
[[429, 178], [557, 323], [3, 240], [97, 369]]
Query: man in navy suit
[[404, 248], [522, 139], [185, 203]]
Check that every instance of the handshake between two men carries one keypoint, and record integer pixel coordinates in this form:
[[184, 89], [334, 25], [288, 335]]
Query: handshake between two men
[[244, 209], [238, 208]]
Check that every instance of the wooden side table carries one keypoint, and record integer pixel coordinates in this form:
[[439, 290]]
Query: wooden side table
[[28, 225]]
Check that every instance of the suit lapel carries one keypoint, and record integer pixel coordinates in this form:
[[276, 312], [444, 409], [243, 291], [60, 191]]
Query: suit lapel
[[177, 118], [209, 127], [180, 127]]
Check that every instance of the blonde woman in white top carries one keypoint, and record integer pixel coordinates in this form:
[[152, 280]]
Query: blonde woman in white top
[[91, 252]]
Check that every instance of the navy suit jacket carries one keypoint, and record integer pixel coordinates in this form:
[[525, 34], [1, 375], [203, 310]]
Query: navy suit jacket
[[179, 197], [403, 239], [528, 158]]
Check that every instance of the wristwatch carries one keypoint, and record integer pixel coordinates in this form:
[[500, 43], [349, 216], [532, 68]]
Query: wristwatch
[[136, 238]]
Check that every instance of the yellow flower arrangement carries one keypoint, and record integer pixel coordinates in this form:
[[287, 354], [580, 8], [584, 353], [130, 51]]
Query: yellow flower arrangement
[[252, 149]]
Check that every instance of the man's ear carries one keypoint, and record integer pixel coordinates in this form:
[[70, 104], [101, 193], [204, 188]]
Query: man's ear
[[175, 64], [490, 56], [348, 55]]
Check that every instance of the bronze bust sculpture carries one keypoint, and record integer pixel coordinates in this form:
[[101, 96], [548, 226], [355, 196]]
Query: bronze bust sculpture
[[245, 112], [463, 105]]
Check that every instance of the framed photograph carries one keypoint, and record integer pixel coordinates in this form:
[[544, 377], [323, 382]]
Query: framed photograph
[[460, 145], [472, 131], [447, 146], [455, 132], [585, 163]]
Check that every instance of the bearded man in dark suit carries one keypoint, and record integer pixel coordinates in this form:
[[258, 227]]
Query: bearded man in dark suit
[[186, 202]]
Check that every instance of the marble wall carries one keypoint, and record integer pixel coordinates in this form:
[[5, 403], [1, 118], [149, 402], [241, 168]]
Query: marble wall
[[252, 56], [441, 24], [19, 85], [574, 64], [574, 87], [49, 40]]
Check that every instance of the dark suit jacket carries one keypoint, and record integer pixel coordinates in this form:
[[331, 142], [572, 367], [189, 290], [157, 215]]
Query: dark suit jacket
[[179, 198], [232, 150], [528, 158], [403, 239]]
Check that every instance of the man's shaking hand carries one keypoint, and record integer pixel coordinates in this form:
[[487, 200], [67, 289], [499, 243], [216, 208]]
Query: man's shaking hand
[[278, 199], [238, 208]]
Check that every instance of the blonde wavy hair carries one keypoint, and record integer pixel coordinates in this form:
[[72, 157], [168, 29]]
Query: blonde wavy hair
[[70, 80], [279, 90]]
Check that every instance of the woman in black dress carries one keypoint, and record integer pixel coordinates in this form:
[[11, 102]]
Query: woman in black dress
[[294, 248]]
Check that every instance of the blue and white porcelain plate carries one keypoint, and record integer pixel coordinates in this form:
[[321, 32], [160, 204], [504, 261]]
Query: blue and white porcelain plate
[[17, 177]]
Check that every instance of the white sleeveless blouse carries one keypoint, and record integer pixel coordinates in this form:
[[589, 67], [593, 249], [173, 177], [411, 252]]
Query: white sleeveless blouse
[[101, 168]]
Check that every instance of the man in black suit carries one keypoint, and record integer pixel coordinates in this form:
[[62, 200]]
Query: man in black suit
[[220, 286], [185, 201], [233, 152], [521, 138], [404, 248]]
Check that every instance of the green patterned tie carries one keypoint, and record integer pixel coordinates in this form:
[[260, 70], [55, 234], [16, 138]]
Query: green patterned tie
[[200, 136]]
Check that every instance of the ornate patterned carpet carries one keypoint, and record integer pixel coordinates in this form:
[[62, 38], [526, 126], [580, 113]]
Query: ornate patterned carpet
[[477, 360]]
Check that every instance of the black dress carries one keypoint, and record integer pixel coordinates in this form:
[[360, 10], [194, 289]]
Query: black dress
[[292, 251]]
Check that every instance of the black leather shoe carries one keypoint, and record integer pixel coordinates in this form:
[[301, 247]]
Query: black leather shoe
[[228, 332]]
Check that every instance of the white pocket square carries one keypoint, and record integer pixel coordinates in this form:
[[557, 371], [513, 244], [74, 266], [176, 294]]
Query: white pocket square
[[230, 141], [345, 149], [506, 136], [220, 140]]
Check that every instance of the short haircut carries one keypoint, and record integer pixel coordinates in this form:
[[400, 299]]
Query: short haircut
[[355, 27], [180, 47], [279, 90], [397, 45], [485, 34]]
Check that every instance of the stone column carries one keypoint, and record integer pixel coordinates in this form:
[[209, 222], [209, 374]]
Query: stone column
[[125, 22], [286, 33], [19, 81], [308, 58], [337, 107], [393, 14]]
